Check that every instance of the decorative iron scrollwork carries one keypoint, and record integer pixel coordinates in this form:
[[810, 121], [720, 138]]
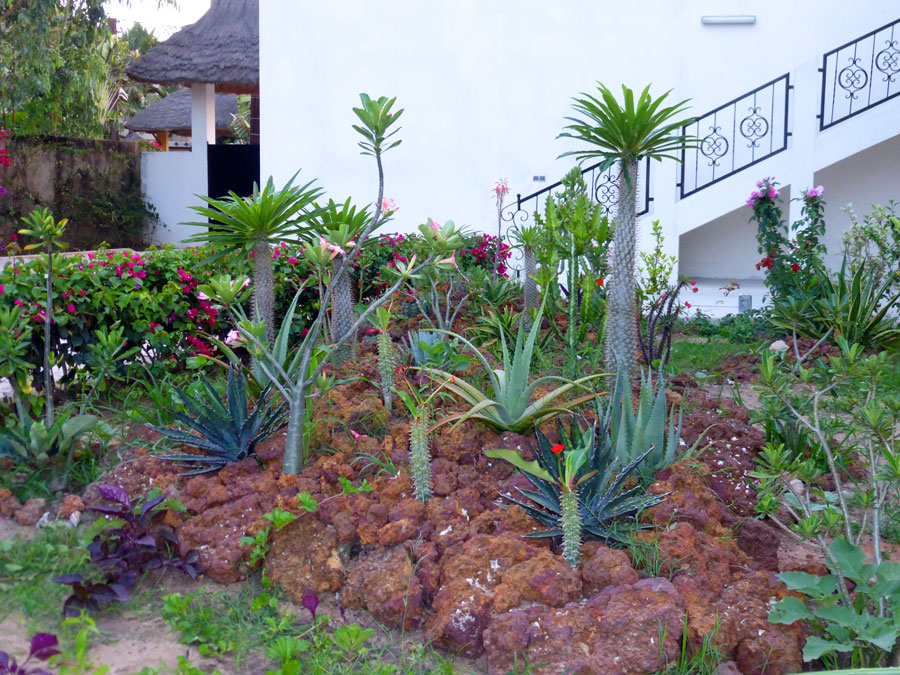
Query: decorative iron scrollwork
[[754, 127], [852, 78], [606, 191], [714, 146], [888, 60]]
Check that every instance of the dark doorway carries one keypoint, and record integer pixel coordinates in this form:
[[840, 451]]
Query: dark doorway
[[232, 168]]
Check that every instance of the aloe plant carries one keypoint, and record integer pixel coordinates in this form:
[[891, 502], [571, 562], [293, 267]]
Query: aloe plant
[[225, 431], [509, 407], [648, 432], [579, 489]]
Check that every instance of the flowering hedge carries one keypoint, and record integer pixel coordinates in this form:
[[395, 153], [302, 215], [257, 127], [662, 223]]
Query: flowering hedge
[[153, 295], [387, 250], [790, 254]]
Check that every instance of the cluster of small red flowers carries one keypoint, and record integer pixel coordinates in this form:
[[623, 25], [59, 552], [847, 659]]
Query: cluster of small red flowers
[[200, 347], [188, 281], [482, 252], [766, 262]]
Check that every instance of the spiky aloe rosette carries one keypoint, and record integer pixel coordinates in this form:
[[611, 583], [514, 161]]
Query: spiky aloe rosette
[[579, 493]]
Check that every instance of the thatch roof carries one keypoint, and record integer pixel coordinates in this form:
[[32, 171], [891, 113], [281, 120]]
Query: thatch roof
[[221, 48], [173, 113]]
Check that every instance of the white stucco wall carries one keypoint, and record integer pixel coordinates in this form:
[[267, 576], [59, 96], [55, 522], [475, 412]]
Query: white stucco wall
[[170, 181], [486, 85]]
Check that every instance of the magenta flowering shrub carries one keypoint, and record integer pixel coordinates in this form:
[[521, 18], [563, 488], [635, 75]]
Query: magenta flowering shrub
[[153, 295], [386, 250], [790, 255]]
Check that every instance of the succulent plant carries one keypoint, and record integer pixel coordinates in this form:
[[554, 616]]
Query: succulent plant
[[226, 432], [579, 490]]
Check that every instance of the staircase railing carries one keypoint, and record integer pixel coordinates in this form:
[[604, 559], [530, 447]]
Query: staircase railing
[[603, 187], [736, 135], [860, 75]]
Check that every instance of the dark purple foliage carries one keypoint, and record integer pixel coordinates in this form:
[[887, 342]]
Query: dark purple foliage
[[310, 601], [43, 646], [125, 553]]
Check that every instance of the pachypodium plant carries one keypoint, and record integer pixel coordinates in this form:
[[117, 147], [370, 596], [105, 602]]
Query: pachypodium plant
[[440, 307], [625, 133], [569, 477], [47, 232], [254, 225], [579, 491], [387, 358], [337, 229], [419, 435], [528, 238], [376, 118]]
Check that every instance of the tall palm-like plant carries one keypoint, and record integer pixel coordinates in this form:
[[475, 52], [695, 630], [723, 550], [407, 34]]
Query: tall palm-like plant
[[528, 238], [625, 133], [337, 228], [47, 233], [254, 224]]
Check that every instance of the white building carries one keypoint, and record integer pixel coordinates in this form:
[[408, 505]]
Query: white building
[[486, 86]]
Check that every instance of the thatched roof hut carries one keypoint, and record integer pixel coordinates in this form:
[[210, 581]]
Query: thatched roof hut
[[222, 48], [173, 114]]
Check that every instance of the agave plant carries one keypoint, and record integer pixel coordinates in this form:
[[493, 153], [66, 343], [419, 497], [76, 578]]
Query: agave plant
[[226, 432], [649, 432], [510, 407], [579, 490], [855, 308], [34, 445], [490, 326]]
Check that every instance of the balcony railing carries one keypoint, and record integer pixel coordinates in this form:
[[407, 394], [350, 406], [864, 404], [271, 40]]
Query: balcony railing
[[744, 131], [603, 187], [860, 74]]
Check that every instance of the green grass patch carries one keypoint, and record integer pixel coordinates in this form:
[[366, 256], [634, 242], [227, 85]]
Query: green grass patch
[[26, 567], [688, 357]]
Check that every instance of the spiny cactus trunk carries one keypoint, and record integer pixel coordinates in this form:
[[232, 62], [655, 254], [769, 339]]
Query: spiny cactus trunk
[[420, 458], [264, 287], [532, 296], [621, 347], [386, 367], [571, 526], [342, 311]]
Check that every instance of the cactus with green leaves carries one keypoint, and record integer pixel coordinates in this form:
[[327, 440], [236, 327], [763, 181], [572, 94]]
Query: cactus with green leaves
[[419, 451], [386, 354]]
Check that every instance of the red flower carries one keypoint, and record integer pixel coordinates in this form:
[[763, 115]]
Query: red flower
[[795, 267], [599, 282], [558, 448], [688, 305]]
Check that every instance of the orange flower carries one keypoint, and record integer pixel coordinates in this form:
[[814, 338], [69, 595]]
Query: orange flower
[[558, 448]]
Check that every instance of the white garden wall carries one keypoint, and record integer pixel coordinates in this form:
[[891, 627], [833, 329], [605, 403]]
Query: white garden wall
[[486, 86]]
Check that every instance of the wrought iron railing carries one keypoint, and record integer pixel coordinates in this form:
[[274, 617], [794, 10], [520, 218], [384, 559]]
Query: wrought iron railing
[[734, 136], [860, 74], [603, 187]]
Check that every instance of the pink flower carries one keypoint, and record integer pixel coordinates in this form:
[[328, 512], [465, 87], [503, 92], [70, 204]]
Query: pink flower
[[70, 308], [202, 296], [292, 261], [2, 289], [232, 338], [820, 190], [388, 206], [772, 193], [14, 237], [17, 302], [500, 190], [688, 305], [434, 226], [276, 253]]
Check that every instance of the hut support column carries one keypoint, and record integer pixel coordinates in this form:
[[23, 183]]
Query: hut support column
[[203, 116]]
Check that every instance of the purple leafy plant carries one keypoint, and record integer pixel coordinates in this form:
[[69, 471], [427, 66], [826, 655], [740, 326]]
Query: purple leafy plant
[[43, 646], [126, 553]]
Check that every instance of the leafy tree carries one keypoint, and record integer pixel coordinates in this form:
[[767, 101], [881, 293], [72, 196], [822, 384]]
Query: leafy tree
[[626, 134]]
